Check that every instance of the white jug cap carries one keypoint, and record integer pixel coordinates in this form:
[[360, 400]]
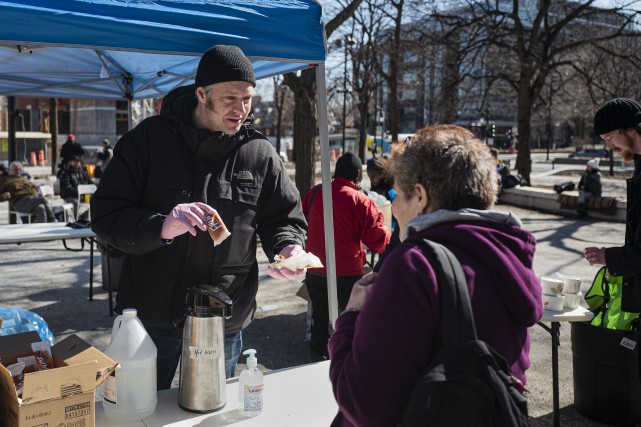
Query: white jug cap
[[130, 312]]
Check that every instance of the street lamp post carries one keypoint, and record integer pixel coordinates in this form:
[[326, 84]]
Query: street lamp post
[[349, 41]]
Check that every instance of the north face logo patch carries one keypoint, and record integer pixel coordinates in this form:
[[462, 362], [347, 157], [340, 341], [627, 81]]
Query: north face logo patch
[[244, 176]]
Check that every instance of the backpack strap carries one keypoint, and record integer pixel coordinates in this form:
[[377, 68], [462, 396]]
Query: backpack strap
[[311, 198], [456, 310]]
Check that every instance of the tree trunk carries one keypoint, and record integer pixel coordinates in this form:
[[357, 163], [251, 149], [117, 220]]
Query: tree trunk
[[305, 126], [279, 119], [394, 116], [362, 145], [523, 160]]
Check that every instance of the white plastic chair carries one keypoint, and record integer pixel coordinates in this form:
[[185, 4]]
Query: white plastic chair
[[82, 190], [25, 218], [47, 192]]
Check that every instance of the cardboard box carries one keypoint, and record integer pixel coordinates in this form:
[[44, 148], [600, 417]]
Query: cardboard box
[[59, 397]]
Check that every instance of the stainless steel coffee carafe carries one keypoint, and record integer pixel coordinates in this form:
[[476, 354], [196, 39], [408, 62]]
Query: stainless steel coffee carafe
[[202, 365]]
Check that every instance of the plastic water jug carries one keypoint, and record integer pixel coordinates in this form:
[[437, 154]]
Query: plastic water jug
[[130, 393]]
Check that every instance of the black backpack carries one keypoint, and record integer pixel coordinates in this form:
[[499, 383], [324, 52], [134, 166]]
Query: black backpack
[[564, 186], [466, 383]]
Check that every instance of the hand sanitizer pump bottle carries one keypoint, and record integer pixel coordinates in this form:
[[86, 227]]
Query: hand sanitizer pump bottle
[[250, 387]]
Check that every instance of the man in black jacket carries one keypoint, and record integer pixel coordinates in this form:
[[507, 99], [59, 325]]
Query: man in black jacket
[[618, 123], [70, 177], [198, 157]]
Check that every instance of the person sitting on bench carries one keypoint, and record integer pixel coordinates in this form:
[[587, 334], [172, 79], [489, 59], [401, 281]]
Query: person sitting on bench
[[589, 185]]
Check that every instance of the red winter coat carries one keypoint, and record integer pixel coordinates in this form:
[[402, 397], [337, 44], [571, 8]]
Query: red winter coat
[[357, 221]]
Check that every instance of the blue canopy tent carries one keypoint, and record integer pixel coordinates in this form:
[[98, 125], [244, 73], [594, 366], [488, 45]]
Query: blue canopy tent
[[135, 49], [142, 49]]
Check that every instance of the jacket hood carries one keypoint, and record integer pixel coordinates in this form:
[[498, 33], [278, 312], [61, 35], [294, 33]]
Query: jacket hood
[[495, 240]]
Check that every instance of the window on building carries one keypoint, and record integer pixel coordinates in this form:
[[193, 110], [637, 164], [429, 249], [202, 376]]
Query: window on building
[[408, 94], [409, 76], [410, 57]]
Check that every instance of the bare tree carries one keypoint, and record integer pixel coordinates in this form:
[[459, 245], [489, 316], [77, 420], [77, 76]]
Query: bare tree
[[280, 94], [365, 79], [535, 39], [305, 119], [391, 49]]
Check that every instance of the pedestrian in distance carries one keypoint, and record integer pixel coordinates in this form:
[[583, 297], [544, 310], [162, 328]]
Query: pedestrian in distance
[[199, 157], [69, 149], [103, 157]]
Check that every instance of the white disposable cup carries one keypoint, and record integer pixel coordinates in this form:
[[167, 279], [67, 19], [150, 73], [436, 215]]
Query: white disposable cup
[[553, 302], [572, 300], [549, 283], [571, 285]]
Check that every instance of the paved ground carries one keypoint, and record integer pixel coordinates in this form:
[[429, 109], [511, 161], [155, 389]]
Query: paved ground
[[45, 278]]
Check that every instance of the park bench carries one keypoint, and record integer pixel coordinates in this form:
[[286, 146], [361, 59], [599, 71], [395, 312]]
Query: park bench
[[605, 163]]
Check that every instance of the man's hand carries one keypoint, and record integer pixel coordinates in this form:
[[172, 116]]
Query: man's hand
[[285, 273], [6, 195], [595, 255], [185, 218]]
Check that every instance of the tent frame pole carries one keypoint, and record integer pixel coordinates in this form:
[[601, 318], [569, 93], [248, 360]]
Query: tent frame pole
[[323, 132]]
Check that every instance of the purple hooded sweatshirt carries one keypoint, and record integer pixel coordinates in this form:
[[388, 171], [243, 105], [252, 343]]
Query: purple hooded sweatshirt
[[378, 355]]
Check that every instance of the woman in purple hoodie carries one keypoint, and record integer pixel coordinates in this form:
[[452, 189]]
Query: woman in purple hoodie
[[446, 185]]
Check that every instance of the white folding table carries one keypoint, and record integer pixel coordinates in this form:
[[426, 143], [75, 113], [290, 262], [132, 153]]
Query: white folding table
[[293, 397], [46, 232], [579, 314]]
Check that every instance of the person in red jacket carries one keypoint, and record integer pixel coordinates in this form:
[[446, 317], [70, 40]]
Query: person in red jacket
[[357, 221]]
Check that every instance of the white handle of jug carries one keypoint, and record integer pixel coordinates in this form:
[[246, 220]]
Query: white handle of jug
[[115, 328]]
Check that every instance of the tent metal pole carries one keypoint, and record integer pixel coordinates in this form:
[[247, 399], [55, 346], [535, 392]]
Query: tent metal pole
[[328, 210], [13, 145], [129, 113]]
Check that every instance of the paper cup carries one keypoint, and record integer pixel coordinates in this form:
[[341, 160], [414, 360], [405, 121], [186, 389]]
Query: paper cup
[[571, 284], [549, 283], [553, 303], [572, 300]]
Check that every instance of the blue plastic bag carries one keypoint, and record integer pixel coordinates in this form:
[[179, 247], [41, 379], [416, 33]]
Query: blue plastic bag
[[18, 320]]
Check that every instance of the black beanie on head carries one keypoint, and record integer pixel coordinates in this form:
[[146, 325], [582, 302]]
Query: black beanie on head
[[224, 64], [619, 113], [348, 166]]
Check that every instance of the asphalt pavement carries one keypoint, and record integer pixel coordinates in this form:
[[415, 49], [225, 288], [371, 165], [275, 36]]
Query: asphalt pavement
[[53, 282]]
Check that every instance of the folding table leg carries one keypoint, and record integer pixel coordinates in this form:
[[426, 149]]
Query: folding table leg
[[91, 240], [111, 308], [555, 332]]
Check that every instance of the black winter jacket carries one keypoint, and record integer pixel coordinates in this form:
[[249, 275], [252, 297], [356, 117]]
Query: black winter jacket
[[626, 260], [591, 182], [69, 181], [165, 161]]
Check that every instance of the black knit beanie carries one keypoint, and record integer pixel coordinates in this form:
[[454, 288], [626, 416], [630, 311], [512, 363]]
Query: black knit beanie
[[348, 166], [224, 64], [619, 113]]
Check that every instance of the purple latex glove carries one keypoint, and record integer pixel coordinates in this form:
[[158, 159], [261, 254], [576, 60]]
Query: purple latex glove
[[285, 273], [184, 218]]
